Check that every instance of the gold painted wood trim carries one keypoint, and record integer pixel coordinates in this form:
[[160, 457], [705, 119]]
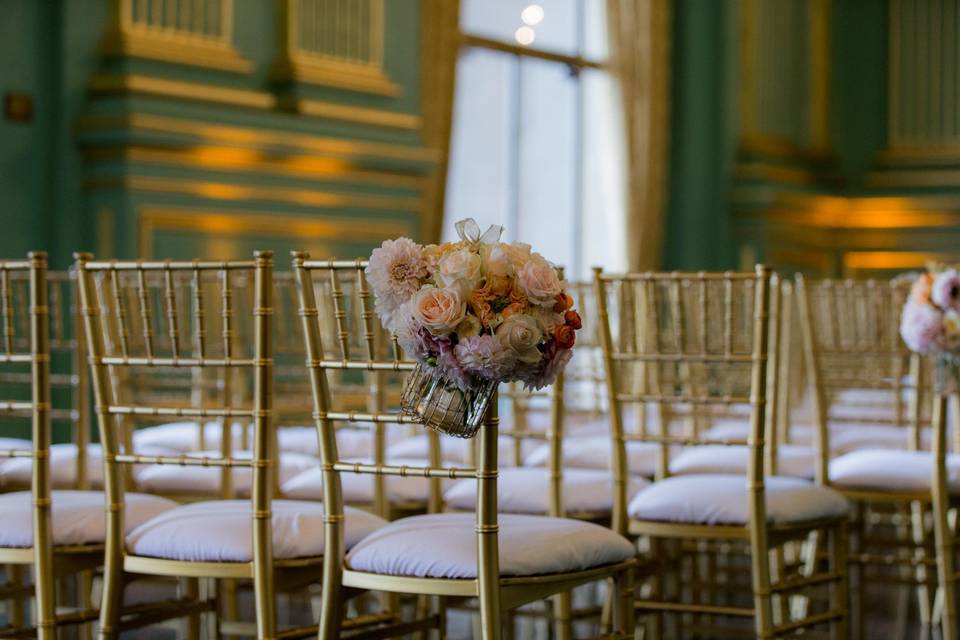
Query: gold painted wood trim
[[110, 83], [138, 43], [223, 158], [238, 136], [165, 567], [242, 223], [329, 72], [359, 115], [211, 190]]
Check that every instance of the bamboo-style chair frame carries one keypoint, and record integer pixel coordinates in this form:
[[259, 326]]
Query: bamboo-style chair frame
[[48, 561], [495, 593], [689, 346], [851, 340], [264, 571]]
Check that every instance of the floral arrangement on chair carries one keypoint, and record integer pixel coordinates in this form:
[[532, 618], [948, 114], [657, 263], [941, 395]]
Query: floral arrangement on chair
[[473, 314], [930, 323]]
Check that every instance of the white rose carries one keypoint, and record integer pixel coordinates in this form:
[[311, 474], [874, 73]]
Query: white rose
[[459, 269], [439, 310], [521, 334], [538, 279]]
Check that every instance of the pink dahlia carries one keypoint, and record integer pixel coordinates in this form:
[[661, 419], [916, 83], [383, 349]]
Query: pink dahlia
[[545, 372], [921, 327], [394, 273], [486, 357]]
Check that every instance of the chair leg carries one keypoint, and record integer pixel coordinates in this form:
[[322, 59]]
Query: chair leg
[[331, 609], [111, 598], [654, 621], [623, 588], [946, 567], [190, 588], [838, 590], [562, 624], [919, 530], [15, 609]]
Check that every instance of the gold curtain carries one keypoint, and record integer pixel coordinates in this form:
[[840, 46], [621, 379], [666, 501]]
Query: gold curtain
[[440, 30], [640, 60]]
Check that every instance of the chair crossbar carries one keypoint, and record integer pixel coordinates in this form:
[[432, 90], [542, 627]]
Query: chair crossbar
[[154, 361], [183, 460], [406, 471], [180, 412], [175, 265]]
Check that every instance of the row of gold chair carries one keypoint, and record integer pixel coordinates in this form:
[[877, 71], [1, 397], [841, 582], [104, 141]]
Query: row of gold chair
[[693, 364]]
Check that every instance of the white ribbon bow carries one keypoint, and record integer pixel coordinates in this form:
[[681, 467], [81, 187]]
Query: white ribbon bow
[[469, 231]]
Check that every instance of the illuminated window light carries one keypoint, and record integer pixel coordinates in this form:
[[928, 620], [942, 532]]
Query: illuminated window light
[[525, 36], [532, 15]]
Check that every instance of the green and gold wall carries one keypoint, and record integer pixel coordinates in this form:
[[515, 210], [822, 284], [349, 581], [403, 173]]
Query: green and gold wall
[[816, 135], [177, 128]]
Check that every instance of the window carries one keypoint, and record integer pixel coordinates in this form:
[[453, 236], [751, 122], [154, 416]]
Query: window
[[537, 143]]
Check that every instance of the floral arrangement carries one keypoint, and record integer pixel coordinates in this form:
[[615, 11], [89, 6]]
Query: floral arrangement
[[930, 323], [477, 311]]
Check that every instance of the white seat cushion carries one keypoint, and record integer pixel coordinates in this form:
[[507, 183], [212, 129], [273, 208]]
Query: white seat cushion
[[527, 490], [221, 531], [594, 452], [78, 516], [722, 499], [185, 436], [351, 443], [444, 545], [792, 460], [63, 466], [15, 444], [452, 450], [357, 488], [884, 469], [194, 480]]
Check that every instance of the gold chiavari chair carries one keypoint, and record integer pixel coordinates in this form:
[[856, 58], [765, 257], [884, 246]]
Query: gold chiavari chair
[[869, 393], [504, 561], [271, 543], [659, 351], [946, 499], [75, 464], [56, 533]]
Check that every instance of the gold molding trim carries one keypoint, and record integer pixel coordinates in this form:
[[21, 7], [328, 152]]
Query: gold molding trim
[[246, 137], [194, 52], [327, 72], [133, 83], [223, 158], [859, 261], [883, 212], [359, 115], [918, 178], [772, 173], [242, 223], [211, 190]]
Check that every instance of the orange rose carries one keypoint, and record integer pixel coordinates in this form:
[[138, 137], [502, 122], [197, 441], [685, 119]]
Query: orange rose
[[498, 286], [565, 336], [513, 308], [563, 302], [572, 318]]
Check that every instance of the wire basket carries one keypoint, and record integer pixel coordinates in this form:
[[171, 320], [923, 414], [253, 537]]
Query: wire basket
[[440, 404]]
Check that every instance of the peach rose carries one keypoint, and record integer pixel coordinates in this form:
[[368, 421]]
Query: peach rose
[[518, 253], [496, 262], [538, 280], [439, 310], [922, 287], [521, 334]]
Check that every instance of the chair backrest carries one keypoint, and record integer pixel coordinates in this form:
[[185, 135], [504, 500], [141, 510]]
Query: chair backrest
[[25, 343], [690, 345], [852, 348], [340, 328], [159, 317]]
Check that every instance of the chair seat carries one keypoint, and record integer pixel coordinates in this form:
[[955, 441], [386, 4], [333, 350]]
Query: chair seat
[[723, 499], [444, 545], [452, 450], [351, 443], [792, 460], [844, 436], [185, 436], [357, 488], [77, 516], [194, 480], [221, 531], [594, 452], [889, 470], [527, 490], [14, 444]]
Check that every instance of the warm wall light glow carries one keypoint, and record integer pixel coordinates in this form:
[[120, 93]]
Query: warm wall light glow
[[525, 36], [532, 15]]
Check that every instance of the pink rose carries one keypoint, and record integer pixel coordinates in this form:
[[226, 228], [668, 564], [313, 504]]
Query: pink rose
[[921, 327], [538, 279], [945, 291], [439, 310]]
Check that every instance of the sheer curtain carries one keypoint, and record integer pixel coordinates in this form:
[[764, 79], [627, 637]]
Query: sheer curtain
[[538, 144]]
